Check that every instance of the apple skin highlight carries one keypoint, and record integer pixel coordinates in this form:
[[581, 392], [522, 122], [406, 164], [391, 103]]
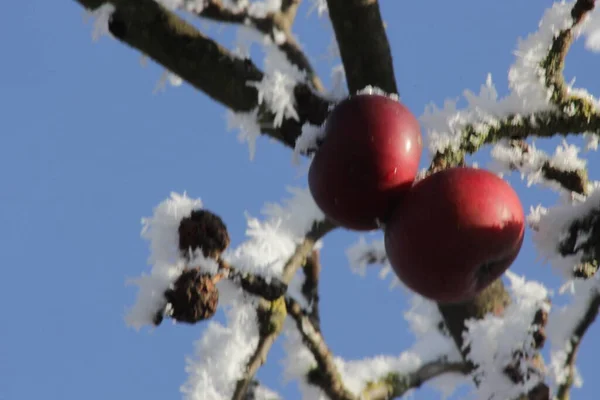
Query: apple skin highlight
[[368, 159]]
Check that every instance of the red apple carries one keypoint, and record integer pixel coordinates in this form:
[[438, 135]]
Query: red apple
[[369, 156], [456, 232]]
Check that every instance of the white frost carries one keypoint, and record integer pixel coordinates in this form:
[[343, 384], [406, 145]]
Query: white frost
[[526, 81], [561, 323], [339, 90], [361, 254], [320, 6], [430, 345], [170, 77], [529, 163], [591, 30], [307, 140], [494, 339], [551, 226], [273, 240], [221, 354], [591, 141], [260, 9], [161, 231], [248, 127], [101, 16], [375, 91]]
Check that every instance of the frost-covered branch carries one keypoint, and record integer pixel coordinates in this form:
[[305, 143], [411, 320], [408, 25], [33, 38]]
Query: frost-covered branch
[[325, 374], [575, 342], [276, 24], [177, 45], [568, 235], [271, 315], [310, 287], [363, 44], [388, 377], [396, 385], [541, 103], [255, 284], [564, 171]]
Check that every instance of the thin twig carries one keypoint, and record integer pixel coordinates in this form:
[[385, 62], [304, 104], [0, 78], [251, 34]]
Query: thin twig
[[563, 391], [276, 25], [396, 385], [209, 67], [570, 180], [325, 375], [587, 118], [310, 287], [271, 314]]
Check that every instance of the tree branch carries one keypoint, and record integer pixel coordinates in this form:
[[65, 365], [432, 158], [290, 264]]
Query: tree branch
[[563, 392], [583, 237], [271, 314], [310, 287], [180, 47], [572, 114], [276, 25], [271, 317], [363, 44], [325, 375], [570, 180], [585, 118], [396, 385]]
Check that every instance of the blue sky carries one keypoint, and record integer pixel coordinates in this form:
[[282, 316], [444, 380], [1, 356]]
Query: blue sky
[[86, 150]]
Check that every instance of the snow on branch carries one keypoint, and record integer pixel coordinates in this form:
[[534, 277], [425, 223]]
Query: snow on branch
[[363, 254], [193, 273], [273, 19], [276, 249], [432, 359], [568, 235], [166, 38], [591, 29], [562, 171], [503, 347], [566, 327], [167, 265], [221, 354], [320, 6], [540, 102]]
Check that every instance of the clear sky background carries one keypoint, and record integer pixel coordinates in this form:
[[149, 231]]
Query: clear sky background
[[87, 149]]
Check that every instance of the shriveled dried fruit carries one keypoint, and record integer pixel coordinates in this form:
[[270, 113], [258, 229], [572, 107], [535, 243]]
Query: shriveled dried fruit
[[203, 230], [193, 298]]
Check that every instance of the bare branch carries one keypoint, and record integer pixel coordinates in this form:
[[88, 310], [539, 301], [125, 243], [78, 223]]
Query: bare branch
[[563, 392], [363, 43], [177, 45], [276, 25]]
